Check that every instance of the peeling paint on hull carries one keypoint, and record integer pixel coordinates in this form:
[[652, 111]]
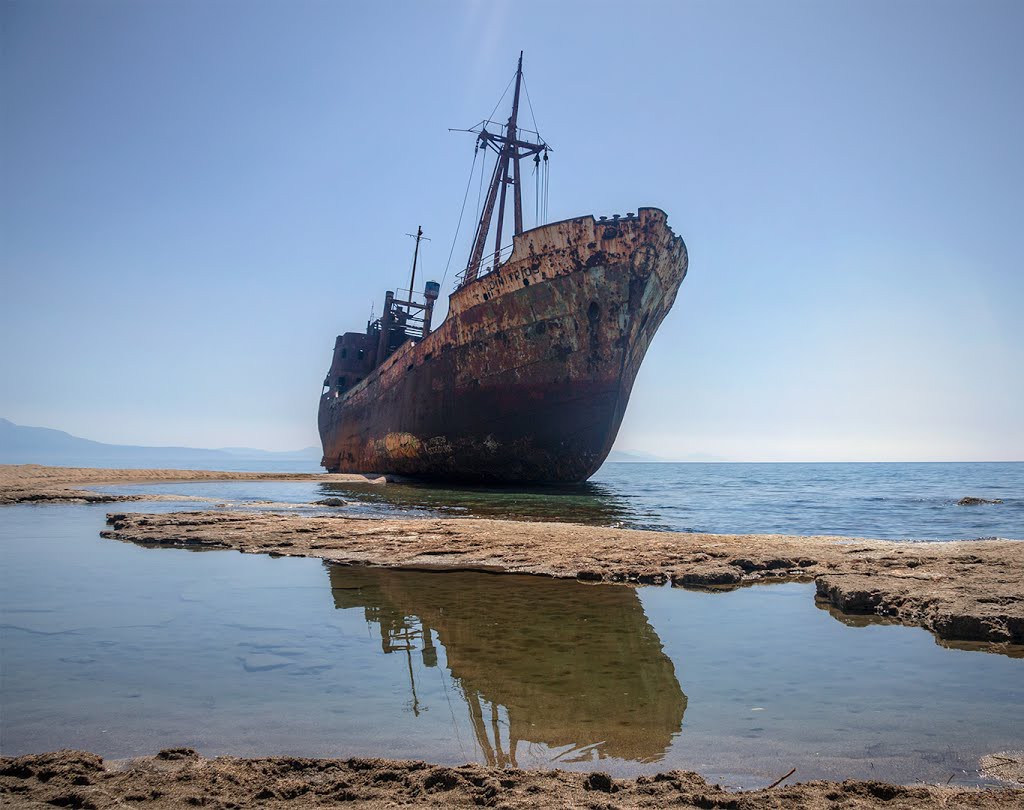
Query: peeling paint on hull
[[528, 378]]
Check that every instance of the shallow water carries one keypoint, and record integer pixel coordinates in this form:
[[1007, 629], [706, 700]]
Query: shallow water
[[124, 650], [895, 501]]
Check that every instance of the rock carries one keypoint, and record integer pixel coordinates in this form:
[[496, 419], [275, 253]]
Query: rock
[[849, 594], [714, 577], [599, 781], [177, 753], [331, 502], [969, 501]]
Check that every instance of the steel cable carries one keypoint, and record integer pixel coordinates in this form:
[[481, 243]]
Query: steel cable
[[465, 197]]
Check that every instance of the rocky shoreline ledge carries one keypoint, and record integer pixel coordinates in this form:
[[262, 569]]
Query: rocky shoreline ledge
[[969, 591], [180, 778]]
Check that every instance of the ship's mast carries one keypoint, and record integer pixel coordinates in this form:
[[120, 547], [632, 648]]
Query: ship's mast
[[510, 150], [415, 255]]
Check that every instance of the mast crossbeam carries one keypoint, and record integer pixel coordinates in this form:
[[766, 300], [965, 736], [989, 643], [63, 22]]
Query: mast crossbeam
[[510, 149]]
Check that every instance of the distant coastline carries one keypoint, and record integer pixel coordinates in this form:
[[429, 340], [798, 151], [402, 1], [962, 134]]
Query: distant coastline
[[22, 444]]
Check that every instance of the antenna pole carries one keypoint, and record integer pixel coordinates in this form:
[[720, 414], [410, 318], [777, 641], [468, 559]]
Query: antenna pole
[[512, 135], [415, 255]]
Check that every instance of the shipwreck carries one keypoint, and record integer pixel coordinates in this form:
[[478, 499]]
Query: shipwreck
[[528, 377]]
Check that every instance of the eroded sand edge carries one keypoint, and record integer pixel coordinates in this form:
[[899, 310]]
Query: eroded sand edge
[[181, 778]]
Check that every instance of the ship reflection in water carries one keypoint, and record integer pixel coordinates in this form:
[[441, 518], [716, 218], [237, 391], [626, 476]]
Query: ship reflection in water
[[588, 503], [576, 668]]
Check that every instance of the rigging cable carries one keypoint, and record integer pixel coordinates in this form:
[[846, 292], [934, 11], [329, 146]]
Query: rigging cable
[[507, 86], [547, 188], [537, 190], [536, 130], [541, 213], [543, 190], [480, 191], [547, 185], [465, 197]]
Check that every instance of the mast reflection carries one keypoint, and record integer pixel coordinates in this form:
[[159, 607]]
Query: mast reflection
[[574, 667]]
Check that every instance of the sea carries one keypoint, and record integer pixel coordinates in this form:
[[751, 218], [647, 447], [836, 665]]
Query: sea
[[900, 501], [124, 650]]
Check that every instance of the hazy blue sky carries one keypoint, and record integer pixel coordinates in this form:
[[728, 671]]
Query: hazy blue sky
[[198, 196]]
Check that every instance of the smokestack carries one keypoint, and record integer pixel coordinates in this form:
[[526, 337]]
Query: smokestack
[[431, 291]]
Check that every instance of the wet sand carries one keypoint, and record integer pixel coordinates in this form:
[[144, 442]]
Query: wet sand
[[181, 778]]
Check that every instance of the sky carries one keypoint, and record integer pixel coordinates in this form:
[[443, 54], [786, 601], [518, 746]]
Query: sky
[[198, 196]]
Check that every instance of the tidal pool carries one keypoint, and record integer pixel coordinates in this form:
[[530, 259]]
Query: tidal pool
[[124, 650]]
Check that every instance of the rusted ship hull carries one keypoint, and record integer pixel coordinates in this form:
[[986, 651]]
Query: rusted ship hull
[[528, 378]]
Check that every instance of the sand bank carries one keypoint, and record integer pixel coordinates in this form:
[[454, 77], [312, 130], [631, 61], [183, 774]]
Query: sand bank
[[34, 483], [962, 591], [180, 778]]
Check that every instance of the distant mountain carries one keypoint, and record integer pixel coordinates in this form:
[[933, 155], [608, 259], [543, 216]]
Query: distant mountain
[[20, 444], [639, 456], [702, 458], [631, 455], [252, 452]]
